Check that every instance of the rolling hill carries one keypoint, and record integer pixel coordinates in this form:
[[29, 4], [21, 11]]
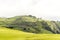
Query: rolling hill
[[31, 24]]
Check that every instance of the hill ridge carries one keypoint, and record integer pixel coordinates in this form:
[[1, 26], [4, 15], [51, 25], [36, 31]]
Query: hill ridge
[[29, 23]]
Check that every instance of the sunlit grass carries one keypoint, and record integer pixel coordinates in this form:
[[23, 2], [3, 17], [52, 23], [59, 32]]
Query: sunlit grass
[[9, 34]]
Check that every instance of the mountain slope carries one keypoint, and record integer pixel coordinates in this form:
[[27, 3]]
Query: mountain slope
[[29, 23]]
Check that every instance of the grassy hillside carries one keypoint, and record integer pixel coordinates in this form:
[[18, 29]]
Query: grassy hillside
[[31, 24], [28, 24], [10, 34]]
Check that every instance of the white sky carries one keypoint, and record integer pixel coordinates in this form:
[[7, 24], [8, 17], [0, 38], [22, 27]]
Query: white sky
[[48, 9]]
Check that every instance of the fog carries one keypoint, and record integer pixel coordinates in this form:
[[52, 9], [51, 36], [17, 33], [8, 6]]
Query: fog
[[47, 9]]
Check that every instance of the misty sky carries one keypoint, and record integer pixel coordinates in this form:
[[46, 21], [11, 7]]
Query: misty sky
[[48, 9]]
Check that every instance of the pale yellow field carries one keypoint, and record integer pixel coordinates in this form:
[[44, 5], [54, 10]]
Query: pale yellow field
[[9, 34]]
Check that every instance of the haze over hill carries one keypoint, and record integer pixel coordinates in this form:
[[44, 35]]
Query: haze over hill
[[29, 19], [48, 9]]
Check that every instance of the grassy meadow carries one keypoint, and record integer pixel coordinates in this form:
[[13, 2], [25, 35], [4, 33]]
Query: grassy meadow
[[10, 34]]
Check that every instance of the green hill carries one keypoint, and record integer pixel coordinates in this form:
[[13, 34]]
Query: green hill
[[31, 24]]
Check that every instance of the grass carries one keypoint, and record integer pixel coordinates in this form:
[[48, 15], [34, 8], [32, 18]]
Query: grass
[[9, 34]]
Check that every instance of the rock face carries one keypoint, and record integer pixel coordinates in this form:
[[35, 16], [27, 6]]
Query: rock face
[[31, 24]]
